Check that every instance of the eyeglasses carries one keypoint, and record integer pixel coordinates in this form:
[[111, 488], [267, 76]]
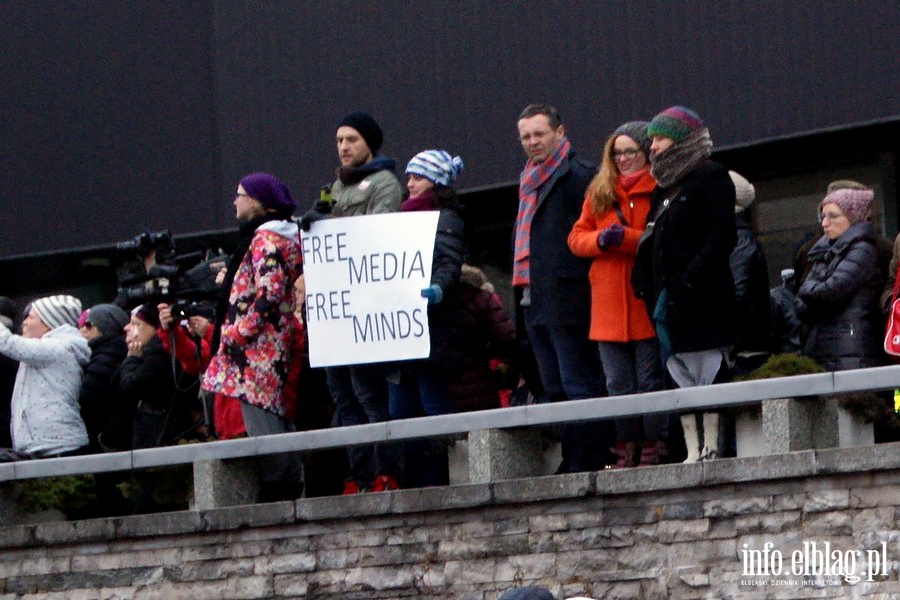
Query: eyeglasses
[[627, 153], [831, 216]]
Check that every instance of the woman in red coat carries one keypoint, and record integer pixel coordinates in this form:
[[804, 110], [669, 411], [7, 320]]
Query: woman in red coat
[[613, 216]]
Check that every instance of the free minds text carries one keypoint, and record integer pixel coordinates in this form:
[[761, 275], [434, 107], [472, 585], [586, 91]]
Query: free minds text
[[352, 273]]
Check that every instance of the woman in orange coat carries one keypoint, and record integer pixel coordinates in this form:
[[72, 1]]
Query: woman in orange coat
[[614, 214]]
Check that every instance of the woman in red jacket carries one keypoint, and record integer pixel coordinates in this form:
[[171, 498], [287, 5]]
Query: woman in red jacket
[[613, 216]]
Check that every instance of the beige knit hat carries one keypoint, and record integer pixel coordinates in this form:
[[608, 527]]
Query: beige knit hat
[[744, 192]]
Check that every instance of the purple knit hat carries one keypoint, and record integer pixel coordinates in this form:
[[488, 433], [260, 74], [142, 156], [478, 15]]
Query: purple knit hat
[[675, 123], [855, 204], [270, 192]]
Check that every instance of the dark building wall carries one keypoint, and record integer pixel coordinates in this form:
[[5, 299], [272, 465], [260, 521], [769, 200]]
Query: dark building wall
[[129, 114], [108, 121], [458, 77]]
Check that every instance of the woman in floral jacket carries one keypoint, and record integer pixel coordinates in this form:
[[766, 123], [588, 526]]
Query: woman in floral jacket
[[256, 326]]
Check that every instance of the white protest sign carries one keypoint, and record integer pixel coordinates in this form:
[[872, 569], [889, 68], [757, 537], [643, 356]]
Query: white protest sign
[[364, 277]]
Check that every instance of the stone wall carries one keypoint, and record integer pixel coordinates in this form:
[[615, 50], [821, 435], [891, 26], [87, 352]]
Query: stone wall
[[680, 531]]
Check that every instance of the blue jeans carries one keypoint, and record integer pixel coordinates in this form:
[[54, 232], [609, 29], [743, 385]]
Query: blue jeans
[[360, 396], [634, 368], [421, 391], [570, 369]]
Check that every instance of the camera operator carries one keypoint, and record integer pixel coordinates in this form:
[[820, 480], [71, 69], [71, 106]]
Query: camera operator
[[192, 335], [146, 385], [189, 328], [145, 265]]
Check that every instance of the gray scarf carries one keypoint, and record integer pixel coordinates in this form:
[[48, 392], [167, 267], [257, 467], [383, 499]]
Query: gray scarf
[[672, 164]]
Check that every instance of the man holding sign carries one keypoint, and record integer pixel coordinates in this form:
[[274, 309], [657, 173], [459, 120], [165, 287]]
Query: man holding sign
[[366, 185]]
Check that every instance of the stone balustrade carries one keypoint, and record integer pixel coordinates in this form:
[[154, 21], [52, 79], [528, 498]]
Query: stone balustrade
[[683, 532], [773, 416]]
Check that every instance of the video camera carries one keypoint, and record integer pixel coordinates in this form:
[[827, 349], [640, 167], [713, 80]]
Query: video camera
[[183, 309], [146, 242], [187, 277], [158, 283]]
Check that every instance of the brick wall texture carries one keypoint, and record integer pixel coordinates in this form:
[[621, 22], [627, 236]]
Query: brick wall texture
[[681, 532]]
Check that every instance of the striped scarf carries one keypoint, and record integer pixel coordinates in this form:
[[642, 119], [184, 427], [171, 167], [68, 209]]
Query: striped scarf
[[533, 177]]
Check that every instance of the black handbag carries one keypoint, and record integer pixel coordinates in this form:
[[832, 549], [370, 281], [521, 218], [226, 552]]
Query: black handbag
[[642, 270]]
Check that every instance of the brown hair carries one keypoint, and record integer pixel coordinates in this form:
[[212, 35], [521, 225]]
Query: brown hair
[[602, 189], [532, 110]]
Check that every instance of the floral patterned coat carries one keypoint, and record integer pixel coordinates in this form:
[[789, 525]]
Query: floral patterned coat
[[254, 355]]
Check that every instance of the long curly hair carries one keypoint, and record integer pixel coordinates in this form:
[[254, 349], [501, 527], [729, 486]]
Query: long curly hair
[[602, 189]]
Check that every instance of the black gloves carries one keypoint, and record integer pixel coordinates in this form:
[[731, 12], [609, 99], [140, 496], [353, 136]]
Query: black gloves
[[318, 212]]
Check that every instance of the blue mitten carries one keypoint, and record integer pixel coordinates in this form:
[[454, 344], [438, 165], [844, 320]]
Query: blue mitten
[[434, 293], [611, 236]]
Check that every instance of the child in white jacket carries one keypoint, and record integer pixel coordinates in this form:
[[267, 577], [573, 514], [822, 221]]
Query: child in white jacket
[[46, 418]]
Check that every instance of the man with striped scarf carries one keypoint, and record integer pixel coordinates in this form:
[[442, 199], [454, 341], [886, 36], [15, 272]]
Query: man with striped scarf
[[553, 283]]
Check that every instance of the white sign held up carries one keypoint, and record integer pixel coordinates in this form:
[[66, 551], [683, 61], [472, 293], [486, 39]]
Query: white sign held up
[[364, 277]]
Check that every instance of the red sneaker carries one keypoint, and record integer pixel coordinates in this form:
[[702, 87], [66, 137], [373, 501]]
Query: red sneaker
[[384, 483], [350, 488]]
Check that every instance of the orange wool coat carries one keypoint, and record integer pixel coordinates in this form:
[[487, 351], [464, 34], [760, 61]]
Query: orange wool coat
[[616, 314]]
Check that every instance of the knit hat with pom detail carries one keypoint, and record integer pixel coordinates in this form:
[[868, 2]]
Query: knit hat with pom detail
[[437, 166], [675, 123]]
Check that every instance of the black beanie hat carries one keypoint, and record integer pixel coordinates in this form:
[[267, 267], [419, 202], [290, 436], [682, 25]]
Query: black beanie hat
[[367, 128], [148, 313]]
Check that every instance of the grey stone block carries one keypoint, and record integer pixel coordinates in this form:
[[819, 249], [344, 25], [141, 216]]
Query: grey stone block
[[173, 523], [75, 531], [853, 430], [748, 428], [730, 470], [859, 458], [220, 483], [458, 461], [17, 536], [235, 517], [800, 424], [498, 454], [642, 479], [788, 425], [683, 511], [336, 507], [441, 498], [533, 489]]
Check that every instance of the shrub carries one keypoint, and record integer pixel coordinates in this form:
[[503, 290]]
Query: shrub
[[68, 494], [784, 365]]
